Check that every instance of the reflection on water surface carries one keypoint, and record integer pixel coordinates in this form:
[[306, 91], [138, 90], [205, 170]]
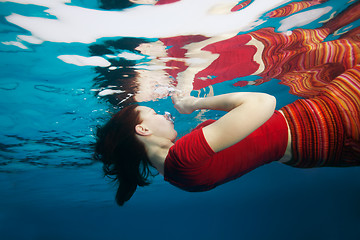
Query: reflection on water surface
[[75, 53]]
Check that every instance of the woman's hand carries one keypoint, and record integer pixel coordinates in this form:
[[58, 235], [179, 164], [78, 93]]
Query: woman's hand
[[184, 105]]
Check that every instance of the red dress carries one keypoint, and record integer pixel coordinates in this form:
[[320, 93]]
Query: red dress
[[193, 166]]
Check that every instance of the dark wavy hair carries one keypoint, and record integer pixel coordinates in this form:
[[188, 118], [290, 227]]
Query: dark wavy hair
[[123, 155]]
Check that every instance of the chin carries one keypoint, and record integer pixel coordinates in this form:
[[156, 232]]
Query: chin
[[174, 138]]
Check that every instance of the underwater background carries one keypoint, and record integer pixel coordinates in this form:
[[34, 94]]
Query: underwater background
[[67, 65]]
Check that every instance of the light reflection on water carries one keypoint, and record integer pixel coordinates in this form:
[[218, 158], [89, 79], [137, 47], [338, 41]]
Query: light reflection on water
[[62, 82]]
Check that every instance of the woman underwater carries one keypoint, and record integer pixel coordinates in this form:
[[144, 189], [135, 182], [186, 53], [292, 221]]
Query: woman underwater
[[315, 132]]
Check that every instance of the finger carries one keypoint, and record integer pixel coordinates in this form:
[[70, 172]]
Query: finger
[[175, 97]]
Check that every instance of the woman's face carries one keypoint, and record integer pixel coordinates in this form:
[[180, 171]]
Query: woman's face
[[159, 125]]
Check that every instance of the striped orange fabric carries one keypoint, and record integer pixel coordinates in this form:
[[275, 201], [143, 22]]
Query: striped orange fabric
[[317, 132], [303, 49], [291, 8], [241, 6], [310, 83], [326, 129], [346, 90]]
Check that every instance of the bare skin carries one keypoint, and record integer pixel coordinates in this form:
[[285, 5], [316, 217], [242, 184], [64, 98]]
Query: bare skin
[[288, 153], [245, 113], [157, 134]]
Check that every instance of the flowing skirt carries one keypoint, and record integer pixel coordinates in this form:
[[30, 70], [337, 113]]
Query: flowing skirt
[[326, 129]]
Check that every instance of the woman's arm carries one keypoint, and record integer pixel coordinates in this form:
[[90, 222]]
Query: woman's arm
[[246, 112]]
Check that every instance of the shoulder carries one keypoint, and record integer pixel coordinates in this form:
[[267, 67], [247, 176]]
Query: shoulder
[[191, 148], [204, 124], [193, 141]]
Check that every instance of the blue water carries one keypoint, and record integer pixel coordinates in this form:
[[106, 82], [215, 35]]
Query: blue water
[[50, 188]]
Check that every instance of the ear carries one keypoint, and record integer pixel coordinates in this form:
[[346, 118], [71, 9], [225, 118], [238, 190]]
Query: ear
[[142, 130]]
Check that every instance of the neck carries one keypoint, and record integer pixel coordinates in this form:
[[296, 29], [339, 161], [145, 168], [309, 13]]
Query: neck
[[157, 149]]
